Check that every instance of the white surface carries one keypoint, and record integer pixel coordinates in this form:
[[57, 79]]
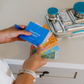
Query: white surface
[[59, 73], [21, 12], [49, 64]]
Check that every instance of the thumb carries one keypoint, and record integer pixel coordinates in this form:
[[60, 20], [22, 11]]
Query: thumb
[[23, 32], [39, 49]]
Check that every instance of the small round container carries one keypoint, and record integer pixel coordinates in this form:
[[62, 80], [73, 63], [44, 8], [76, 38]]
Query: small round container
[[52, 12], [79, 10]]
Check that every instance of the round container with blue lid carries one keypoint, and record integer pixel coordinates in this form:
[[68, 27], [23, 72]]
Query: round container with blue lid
[[52, 12], [79, 9]]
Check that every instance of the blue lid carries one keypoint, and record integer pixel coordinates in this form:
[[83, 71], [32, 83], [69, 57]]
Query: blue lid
[[52, 11], [79, 7]]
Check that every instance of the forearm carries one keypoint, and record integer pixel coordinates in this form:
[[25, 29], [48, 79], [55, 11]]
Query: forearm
[[24, 79]]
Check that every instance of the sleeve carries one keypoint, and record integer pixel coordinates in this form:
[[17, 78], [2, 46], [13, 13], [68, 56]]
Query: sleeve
[[6, 76]]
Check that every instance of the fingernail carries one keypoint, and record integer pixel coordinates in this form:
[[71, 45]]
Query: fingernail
[[40, 45]]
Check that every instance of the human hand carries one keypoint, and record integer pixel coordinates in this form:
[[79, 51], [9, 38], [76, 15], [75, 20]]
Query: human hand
[[31, 50], [12, 34], [35, 61]]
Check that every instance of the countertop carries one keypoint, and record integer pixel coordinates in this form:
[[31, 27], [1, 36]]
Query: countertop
[[21, 12]]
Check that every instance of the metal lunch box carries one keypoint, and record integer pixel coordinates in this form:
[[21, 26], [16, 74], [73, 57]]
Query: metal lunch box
[[67, 22]]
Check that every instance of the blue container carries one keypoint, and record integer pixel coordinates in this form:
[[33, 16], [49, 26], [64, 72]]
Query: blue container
[[79, 9], [52, 12]]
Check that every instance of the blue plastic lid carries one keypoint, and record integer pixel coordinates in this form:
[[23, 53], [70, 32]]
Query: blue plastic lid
[[79, 7], [52, 11]]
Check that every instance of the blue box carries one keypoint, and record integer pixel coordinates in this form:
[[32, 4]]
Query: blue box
[[38, 34]]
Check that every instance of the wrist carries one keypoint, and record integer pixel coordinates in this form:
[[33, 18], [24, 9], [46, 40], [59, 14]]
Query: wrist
[[27, 71], [32, 68], [1, 37]]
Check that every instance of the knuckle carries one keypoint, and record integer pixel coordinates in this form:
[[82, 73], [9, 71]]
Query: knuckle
[[19, 32], [37, 55], [25, 32], [45, 61], [38, 52]]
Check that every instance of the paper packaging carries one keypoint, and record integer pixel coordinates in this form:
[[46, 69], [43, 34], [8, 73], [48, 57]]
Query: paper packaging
[[53, 49], [38, 34], [50, 42], [51, 55]]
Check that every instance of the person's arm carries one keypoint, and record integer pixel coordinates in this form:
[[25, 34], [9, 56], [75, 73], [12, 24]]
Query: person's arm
[[11, 34], [24, 79], [33, 63]]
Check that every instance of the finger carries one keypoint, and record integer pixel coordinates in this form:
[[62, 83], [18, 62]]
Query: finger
[[39, 49], [22, 26], [24, 32], [19, 39], [31, 50]]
